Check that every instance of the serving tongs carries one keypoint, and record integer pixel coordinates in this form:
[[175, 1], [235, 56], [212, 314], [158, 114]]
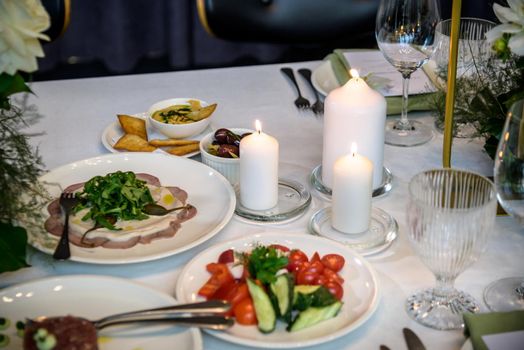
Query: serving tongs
[[208, 314]]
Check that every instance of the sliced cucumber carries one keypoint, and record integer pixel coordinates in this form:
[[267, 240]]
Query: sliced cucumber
[[266, 315], [282, 295], [313, 315], [306, 296]]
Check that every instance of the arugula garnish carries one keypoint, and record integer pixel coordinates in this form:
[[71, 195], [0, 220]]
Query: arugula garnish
[[264, 262], [118, 195]]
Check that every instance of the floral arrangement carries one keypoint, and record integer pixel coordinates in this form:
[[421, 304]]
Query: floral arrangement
[[21, 25], [482, 100]]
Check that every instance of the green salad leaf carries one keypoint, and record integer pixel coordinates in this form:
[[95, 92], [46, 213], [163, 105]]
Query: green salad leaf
[[264, 262], [115, 196]]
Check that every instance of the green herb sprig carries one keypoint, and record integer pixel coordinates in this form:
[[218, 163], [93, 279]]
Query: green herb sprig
[[264, 262], [119, 195]]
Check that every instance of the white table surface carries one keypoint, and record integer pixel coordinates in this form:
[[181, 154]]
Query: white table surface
[[77, 111]]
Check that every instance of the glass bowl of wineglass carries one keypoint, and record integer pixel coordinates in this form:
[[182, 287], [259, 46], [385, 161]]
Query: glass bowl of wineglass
[[508, 294], [450, 216], [405, 33]]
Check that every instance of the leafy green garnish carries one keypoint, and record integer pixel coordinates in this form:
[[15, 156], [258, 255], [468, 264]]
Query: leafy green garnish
[[264, 262], [119, 195]]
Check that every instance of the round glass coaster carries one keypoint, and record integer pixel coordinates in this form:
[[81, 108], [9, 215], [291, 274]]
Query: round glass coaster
[[293, 200], [383, 230], [385, 186]]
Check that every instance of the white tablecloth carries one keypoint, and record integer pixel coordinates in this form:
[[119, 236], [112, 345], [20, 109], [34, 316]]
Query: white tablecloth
[[77, 111]]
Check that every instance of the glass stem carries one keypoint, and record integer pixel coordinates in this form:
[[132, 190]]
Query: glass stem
[[403, 123], [444, 287]]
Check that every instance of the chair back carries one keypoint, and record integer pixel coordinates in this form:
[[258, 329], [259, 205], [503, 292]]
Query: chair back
[[288, 21], [59, 12]]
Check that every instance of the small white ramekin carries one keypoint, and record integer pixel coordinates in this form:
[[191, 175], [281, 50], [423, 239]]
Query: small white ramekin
[[229, 167]]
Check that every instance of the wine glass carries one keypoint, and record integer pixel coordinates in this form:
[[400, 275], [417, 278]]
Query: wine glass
[[508, 294], [450, 215], [405, 33]]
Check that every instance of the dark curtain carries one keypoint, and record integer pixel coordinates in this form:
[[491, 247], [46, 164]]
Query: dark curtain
[[119, 33]]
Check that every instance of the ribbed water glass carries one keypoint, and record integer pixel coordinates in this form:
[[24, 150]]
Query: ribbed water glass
[[450, 215]]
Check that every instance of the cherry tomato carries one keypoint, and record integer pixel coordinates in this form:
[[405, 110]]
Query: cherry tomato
[[244, 312], [335, 289], [227, 256], [321, 280], [332, 276], [316, 266], [306, 277], [296, 257], [315, 257], [280, 247], [334, 262]]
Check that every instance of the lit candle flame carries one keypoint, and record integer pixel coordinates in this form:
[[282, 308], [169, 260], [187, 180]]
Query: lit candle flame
[[353, 148], [258, 126], [354, 73]]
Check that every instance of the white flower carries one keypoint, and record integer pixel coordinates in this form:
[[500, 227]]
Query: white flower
[[21, 25], [512, 19]]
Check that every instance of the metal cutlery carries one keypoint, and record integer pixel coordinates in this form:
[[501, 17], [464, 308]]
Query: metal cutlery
[[412, 340], [208, 314], [318, 106], [67, 202], [300, 102]]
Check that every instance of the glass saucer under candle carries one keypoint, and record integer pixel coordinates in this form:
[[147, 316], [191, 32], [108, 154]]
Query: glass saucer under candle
[[384, 188], [293, 200], [382, 231]]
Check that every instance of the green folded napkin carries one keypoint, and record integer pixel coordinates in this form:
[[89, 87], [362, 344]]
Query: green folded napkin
[[341, 67], [477, 325]]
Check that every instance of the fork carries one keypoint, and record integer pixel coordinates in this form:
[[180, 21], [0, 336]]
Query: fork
[[300, 102], [67, 202], [318, 106]]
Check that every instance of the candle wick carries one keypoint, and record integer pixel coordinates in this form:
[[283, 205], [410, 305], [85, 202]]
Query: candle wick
[[258, 131]]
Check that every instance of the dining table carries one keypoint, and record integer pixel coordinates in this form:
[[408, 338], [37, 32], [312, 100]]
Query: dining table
[[74, 114]]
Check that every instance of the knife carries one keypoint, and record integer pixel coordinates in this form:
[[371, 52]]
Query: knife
[[412, 340]]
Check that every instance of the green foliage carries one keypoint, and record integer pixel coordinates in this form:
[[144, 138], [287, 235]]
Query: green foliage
[[10, 84], [13, 242], [20, 166], [483, 99]]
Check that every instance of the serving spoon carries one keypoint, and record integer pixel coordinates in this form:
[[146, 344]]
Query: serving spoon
[[208, 314]]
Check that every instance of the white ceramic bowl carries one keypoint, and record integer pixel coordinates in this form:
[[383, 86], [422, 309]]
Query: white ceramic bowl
[[178, 131], [229, 167]]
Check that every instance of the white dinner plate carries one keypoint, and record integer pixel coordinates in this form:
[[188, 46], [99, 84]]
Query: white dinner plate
[[113, 132], [94, 297], [360, 298], [208, 191]]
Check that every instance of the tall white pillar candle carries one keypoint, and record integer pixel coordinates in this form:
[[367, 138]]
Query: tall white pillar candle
[[351, 193], [354, 112], [258, 170]]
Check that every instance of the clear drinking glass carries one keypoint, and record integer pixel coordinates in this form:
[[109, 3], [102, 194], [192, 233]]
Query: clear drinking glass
[[473, 51], [405, 33], [450, 215], [508, 294]]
